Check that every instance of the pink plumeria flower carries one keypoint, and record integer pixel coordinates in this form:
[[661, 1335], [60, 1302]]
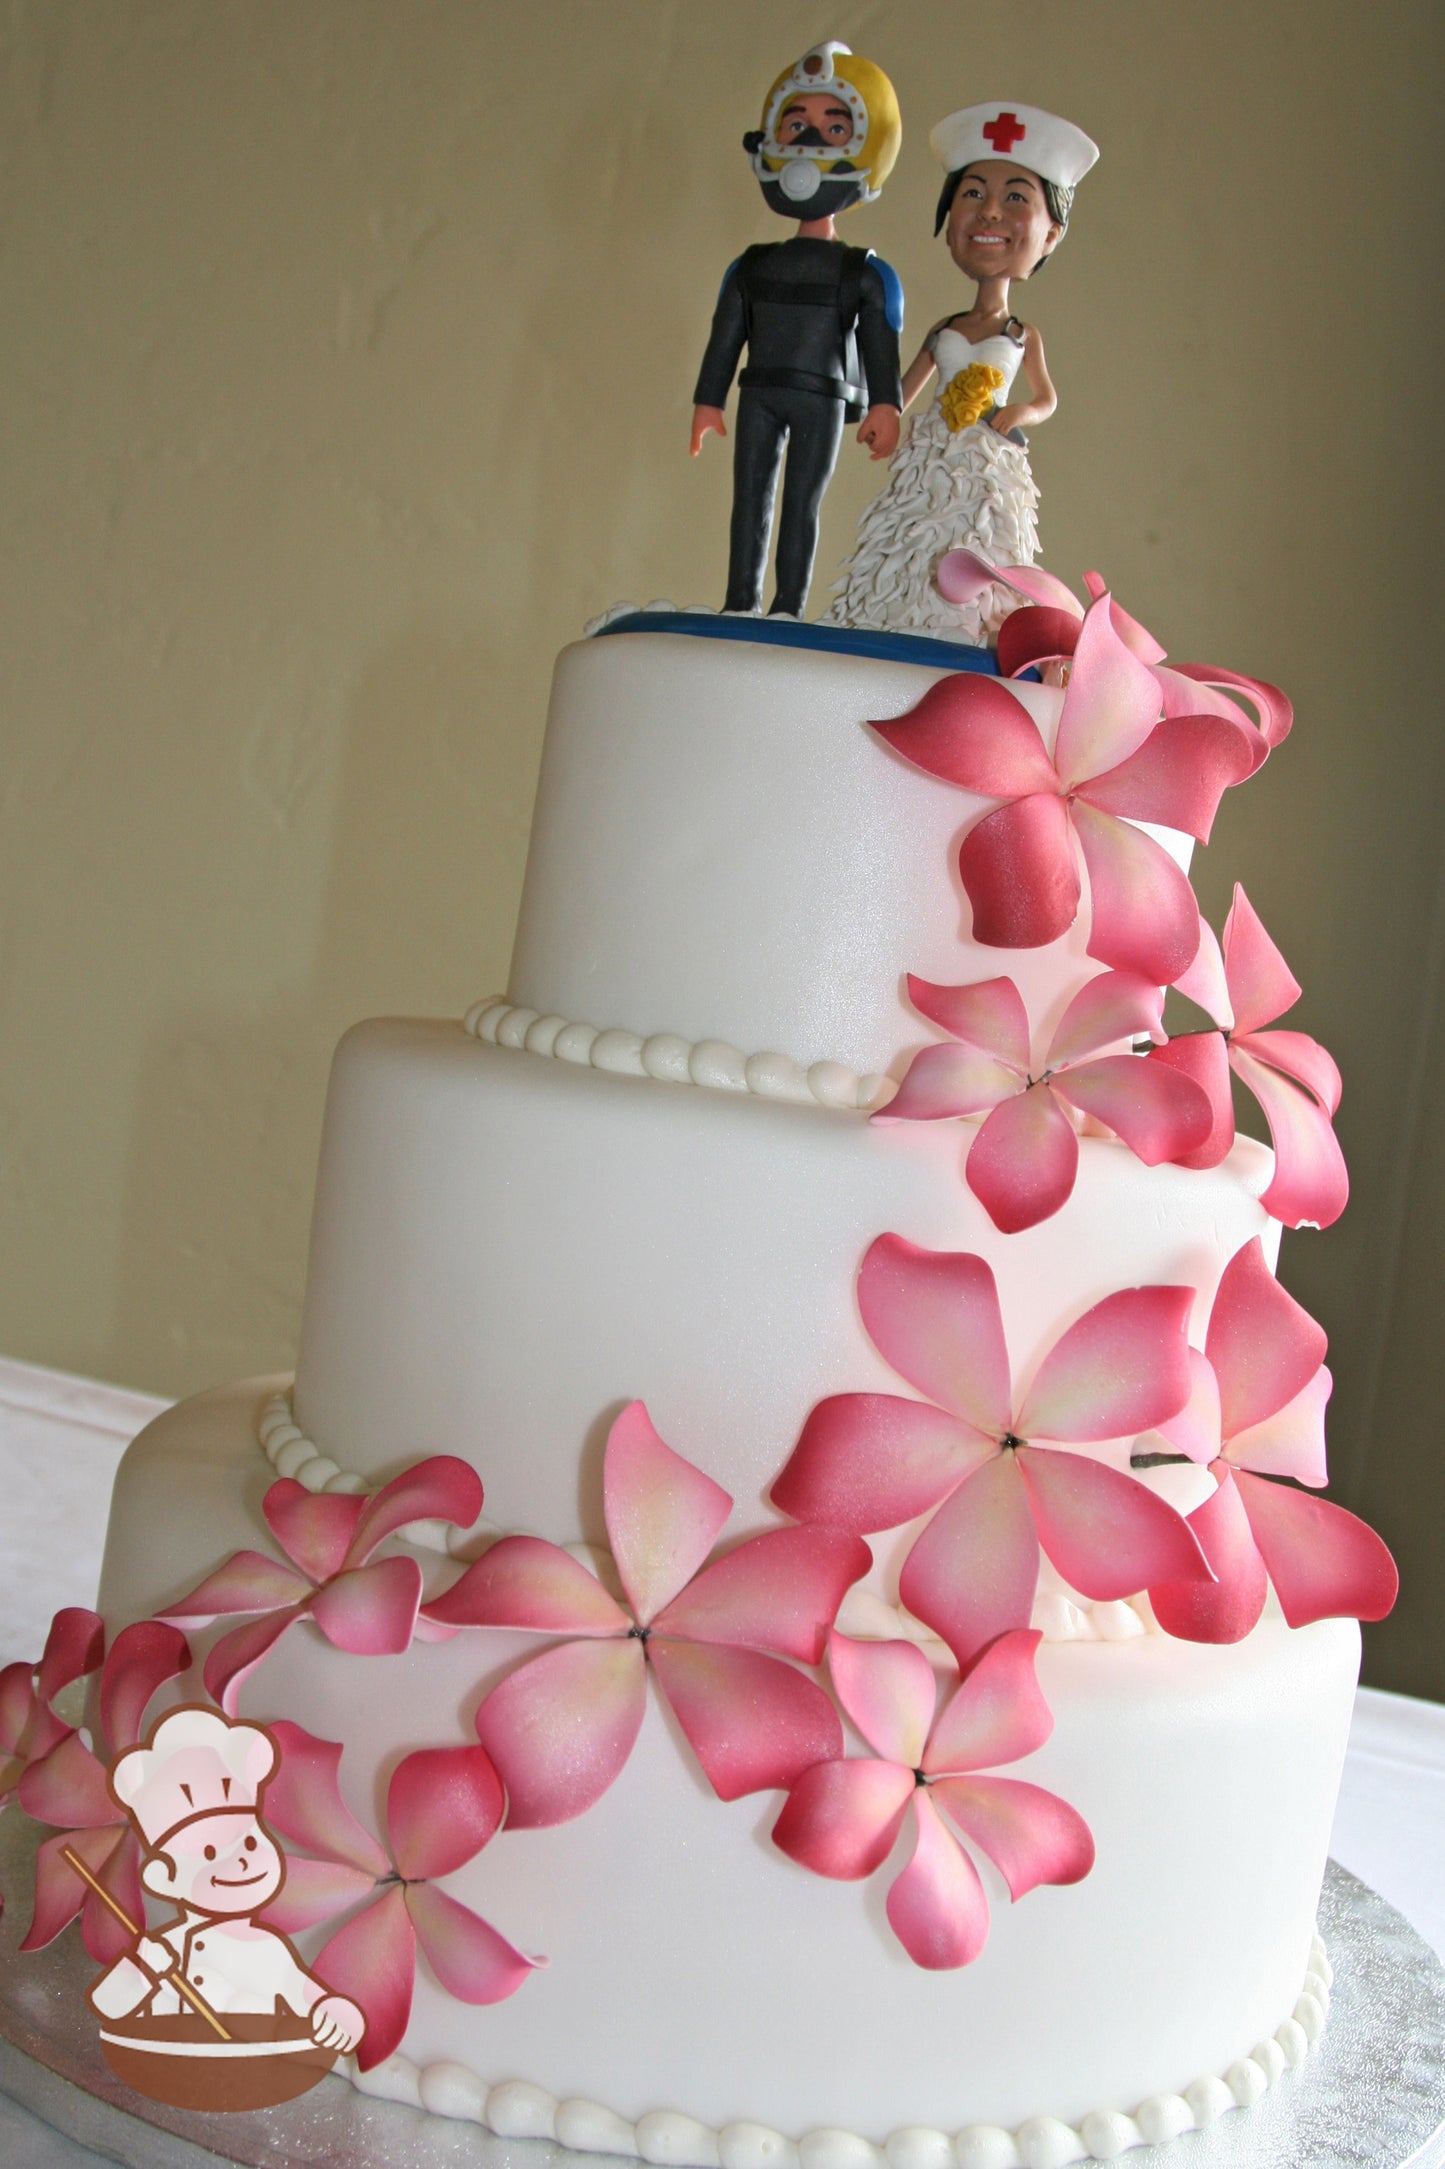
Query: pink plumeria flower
[[1023, 1160], [1244, 987], [69, 1790], [843, 1818], [368, 1607], [1046, 631], [29, 1724], [989, 1463], [1257, 1415], [1117, 760], [562, 1726], [442, 1806]]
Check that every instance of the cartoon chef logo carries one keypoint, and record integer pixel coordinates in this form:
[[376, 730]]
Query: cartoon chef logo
[[212, 2010]]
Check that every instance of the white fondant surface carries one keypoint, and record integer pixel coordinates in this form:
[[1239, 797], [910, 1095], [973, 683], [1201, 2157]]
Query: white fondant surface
[[693, 1969], [721, 848]]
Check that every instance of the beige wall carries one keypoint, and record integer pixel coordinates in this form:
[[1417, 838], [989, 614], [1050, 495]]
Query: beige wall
[[345, 358]]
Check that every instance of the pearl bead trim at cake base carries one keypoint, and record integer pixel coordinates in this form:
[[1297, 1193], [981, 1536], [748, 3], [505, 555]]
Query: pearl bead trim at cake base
[[674, 1060], [516, 2110]]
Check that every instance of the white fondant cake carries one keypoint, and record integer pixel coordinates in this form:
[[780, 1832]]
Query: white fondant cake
[[623, 1182]]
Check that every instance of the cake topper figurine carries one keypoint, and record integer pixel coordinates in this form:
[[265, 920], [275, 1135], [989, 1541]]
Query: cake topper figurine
[[214, 2011], [962, 478], [809, 311]]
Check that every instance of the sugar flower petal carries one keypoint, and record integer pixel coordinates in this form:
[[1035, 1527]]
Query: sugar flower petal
[[523, 1581], [1159, 1113], [248, 1582], [1143, 914], [142, 1658], [1112, 704], [68, 1787], [371, 1610], [1111, 1006], [1179, 774], [1120, 1369], [372, 1960], [663, 1515], [1300, 1057], [842, 1818], [442, 1806], [313, 1528], [1273, 711], [1264, 1346], [1311, 1186], [1205, 981], [233, 1659], [1324, 1563], [989, 1014], [59, 1891], [1261, 984], [1225, 1609], [1030, 1835], [304, 1801], [1197, 1430], [1292, 1441], [969, 729], [102, 1934], [1036, 634], [74, 1646], [315, 1891], [936, 1907], [441, 1488], [889, 1691], [753, 1722], [997, 1712], [468, 1956], [934, 1315], [1109, 1535], [972, 1573], [561, 1727], [944, 1082], [963, 575], [1203, 1057], [1020, 872], [779, 1591], [867, 1461], [1023, 1163]]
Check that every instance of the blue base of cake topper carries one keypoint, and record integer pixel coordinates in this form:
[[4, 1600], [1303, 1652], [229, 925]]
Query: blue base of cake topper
[[779, 632]]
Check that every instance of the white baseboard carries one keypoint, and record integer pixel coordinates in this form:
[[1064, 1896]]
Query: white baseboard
[[74, 1404]]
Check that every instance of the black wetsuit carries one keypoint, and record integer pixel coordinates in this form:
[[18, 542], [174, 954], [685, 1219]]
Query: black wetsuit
[[809, 313]]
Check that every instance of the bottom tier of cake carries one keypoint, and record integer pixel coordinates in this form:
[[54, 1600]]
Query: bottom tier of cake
[[708, 2001]]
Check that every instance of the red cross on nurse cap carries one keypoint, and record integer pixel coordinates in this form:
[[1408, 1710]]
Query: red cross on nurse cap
[[1042, 143]]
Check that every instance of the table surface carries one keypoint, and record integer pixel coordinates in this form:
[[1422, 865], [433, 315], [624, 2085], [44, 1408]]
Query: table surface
[[57, 1455]]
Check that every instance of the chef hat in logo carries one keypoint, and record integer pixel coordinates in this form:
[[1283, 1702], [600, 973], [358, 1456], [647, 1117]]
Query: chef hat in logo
[[195, 1763], [1054, 149]]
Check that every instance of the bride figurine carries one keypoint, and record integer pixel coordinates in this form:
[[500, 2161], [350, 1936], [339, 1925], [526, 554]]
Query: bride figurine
[[961, 478]]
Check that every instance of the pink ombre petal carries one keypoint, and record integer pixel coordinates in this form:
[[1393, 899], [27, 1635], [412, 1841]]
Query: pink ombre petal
[[1023, 1163], [59, 1891], [370, 1611], [1261, 984], [1311, 1186], [663, 1515], [1197, 1430], [1143, 914], [372, 1960], [997, 1712], [20, 1709], [248, 1582], [1203, 1057], [468, 1956], [68, 1787], [103, 1935], [74, 1646], [942, 1083], [1225, 1609], [1179, 774], [1292, 1441], [304, 1802], [1158, 1113], [779, 1591], [442, 1806], [989, 1014], [867, 1461], [1299, 1057], [1111, 1006], [313, 1528], [1205, 982], [842, 1818], [889, 1691], [523, 1581], [936, 1907], [1030, 1835], [1045, 589], [1136, 637], [315, 1891], [1111, 706], [561, 1727], [441, 1488], [753, 1722], [1324, 1563], [235, 1657], [1036, 635], [1020, 874], [972, 1573], [962, 576], [934, 1315], [1109, 1535], [1120, 1369], [971, 730], [142, 1658], [1264, 1346], [1274, 711]]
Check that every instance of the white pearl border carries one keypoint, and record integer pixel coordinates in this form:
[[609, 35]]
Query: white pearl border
[[671, 1059], [517, 2110]]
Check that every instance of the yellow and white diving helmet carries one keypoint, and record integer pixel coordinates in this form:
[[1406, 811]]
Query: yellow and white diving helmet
[[831, 131]]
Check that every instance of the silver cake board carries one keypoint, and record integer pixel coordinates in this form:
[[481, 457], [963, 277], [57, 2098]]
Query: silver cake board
[[1371, 2094]]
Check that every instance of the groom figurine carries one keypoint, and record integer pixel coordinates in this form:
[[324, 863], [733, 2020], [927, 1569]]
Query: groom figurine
[[809, 311]]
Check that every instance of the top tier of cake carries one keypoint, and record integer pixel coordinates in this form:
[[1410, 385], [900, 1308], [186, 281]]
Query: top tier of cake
[[722, 850]]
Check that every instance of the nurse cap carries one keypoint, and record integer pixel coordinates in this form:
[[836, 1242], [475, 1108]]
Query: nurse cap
[[1052, 148]]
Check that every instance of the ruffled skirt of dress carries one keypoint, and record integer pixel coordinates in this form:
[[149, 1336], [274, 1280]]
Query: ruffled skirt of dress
[[947, 491]]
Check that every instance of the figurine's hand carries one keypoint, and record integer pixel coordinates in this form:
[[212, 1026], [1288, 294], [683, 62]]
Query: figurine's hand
[[879, 431], [337, 2024], [1003, 419], [705, 420]]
